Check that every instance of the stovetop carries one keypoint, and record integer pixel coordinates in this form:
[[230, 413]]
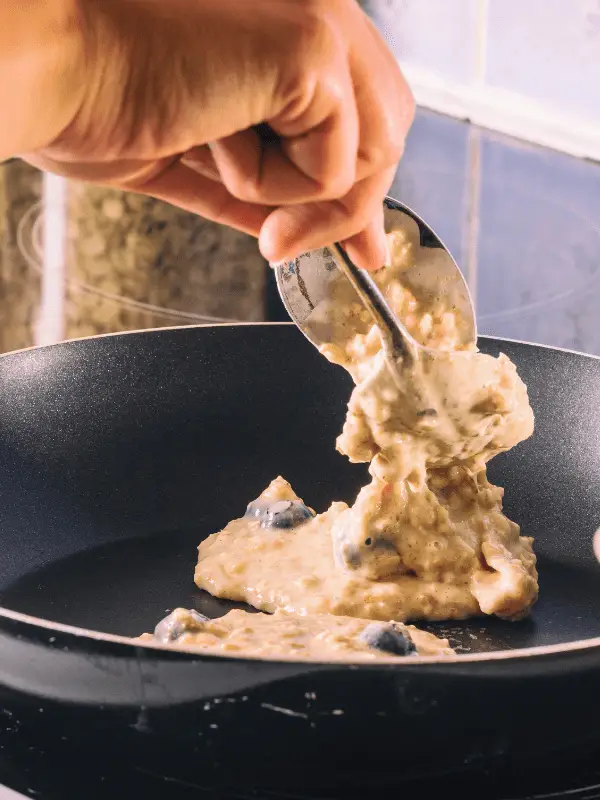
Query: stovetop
[[39, 775]]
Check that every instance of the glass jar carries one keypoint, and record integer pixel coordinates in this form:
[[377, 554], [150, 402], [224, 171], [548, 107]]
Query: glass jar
[[105, 261], [20, 286]]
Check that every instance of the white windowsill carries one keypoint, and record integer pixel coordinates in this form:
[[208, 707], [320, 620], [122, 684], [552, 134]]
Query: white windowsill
[[505, 112]]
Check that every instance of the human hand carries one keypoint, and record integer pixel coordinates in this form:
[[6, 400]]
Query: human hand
[[172, 93]]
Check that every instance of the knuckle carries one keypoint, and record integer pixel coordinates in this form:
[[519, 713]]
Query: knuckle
[[394, 149], [400, 121], [385, 146], [386, 152], [406, 105]]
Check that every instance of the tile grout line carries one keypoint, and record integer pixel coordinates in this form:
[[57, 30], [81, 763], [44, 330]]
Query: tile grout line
[[471, 231]]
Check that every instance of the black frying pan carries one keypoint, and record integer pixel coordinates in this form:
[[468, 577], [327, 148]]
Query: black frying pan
[[119, 454]]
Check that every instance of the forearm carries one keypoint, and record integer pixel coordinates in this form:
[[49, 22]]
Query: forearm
[[41, 55]]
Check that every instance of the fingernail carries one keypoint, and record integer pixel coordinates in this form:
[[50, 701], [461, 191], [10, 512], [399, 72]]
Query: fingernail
[[268, 249], [273, 254], [387, 251], [281, 234], [382, 250]]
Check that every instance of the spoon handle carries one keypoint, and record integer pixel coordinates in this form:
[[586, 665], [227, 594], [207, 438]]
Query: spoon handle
[[373, 299]]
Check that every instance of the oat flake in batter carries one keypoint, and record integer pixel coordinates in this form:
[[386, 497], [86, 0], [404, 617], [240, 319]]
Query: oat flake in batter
[[426, 539]]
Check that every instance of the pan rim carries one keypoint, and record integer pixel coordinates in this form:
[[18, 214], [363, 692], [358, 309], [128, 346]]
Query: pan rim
[[264, 324], [129, 643], [576, 646]]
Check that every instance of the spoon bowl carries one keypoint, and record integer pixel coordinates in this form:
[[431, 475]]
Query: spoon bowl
[[307, 283]]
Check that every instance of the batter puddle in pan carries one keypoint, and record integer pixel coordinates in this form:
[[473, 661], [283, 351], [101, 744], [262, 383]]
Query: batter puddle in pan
[[125, 587]]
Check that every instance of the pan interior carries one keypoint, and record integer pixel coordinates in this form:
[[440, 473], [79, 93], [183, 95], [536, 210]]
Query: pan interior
[[107, 494], [126, 587]]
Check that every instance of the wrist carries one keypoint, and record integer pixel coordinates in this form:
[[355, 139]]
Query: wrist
[[42, 71]]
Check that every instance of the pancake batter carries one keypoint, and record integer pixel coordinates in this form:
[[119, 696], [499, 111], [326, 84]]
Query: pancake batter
[[321, 637], [426, 539]]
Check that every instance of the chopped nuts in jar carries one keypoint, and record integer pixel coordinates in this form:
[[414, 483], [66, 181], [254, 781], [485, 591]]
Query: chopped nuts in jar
[[136, 262], [20, 285]]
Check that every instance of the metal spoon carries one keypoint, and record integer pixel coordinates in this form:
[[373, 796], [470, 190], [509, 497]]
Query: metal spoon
[[305, 285]]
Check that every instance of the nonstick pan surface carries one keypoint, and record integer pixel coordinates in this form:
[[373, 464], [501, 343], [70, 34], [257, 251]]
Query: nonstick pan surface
[[118, 455]]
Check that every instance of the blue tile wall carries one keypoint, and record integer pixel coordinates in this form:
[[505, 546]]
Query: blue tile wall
[[538, 259], [536, 274], [433, 177]]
